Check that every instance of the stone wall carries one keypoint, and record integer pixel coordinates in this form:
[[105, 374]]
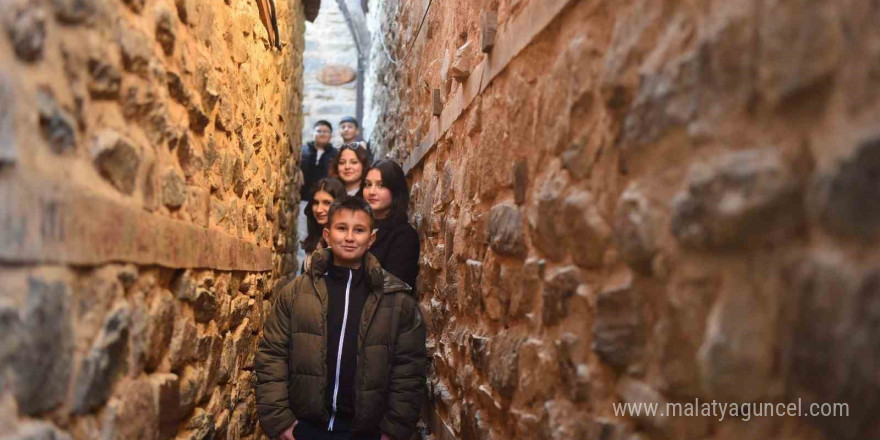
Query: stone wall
[[330, 69], [145, 174], [642, 201], [375, 19]]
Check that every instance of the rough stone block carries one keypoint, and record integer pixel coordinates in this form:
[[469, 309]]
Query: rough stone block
[[165, 31], [183, 343], [589, 233], [209, 89], [166, 391], [575, 376], [524, 286], [198, 119], [800, 46], [846, 200], [561, 286], [193, 381], [736, 359], [176, 88], [73, 11], [204, 305], [56, 124], [227, 360], [133, 414], [461, 64], [619, 331], [185, 9], [26, 28], [238, 310], [104, 362], [505, 230], [479, 351], [173, 189], [116, 159], [105, 81], [549, 226], [831, 335], [189, 155], [160, 327], [185, 285], [538, 370], [472, 286], [198, 205], [200, 425], [741, 199], [214, 343], [42, 364], [226, 114], [136, 51], [504, 364], [243, 341]]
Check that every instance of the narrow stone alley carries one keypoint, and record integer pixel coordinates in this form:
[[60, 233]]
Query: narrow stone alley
[[669, 202]]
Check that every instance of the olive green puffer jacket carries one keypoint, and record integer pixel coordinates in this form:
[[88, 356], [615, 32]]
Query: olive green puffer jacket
[[291, 358]]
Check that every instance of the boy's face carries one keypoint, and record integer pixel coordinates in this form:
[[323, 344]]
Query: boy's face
[[348, 131], [349, 236], [322, 134]]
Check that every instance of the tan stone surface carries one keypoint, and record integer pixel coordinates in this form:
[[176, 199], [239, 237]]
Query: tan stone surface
[[145, 169], [641, 202]]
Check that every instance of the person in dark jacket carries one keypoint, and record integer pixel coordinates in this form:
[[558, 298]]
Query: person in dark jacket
[[397, 242], [316, 157], [343, 353]]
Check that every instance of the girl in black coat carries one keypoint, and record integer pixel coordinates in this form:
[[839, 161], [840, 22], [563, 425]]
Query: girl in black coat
[[397, 243]]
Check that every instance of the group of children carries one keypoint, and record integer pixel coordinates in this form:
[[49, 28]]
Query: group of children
[[343, 354], [383, 186]]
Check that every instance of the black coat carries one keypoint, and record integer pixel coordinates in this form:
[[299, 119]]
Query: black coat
[[397, 249], [314, 172]]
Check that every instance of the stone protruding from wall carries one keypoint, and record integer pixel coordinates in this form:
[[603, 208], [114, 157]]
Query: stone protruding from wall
[[146, 172], [640, 202]]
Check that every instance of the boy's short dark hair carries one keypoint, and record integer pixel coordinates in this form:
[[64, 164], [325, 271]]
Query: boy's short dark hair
[[323, 122], [350, 203]]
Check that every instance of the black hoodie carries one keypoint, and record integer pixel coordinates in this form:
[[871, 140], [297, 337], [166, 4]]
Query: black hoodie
[[347, 291], [313, 172]]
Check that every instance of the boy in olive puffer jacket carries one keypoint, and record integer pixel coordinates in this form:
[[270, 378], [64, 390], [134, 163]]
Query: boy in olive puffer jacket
[[343, 354]]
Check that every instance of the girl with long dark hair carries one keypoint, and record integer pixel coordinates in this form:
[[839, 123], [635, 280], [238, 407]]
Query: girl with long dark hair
[[324, 192], [349, 167], [397, 242]]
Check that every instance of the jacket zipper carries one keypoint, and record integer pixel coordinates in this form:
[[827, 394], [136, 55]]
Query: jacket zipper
[[339, 353]]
